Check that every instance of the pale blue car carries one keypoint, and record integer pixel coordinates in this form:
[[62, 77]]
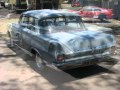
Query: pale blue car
[[63, 36]]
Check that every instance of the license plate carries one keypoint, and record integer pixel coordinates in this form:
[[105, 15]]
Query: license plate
[[88, 62]]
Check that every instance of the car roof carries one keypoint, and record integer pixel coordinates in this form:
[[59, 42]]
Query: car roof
[[91, 7], [44, 13]]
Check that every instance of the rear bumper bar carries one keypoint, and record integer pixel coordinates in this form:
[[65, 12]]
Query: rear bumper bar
[[84, 61]]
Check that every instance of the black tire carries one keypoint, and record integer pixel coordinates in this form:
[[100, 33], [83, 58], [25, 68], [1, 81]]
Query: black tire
[[102, 17], [39, 62]]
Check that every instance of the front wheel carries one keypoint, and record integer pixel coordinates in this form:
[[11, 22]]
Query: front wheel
[[39, 62]]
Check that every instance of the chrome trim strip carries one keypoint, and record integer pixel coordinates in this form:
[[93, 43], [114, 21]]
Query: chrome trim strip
[[88, 57]]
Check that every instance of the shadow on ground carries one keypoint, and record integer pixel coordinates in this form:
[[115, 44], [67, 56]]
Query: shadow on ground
[[77, 73], [59, 77]]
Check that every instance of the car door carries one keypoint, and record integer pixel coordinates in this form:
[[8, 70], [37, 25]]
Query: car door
[[23, 22], [31, 35], [15, 32], [27, 32], [89, 12], [39, 38], [96, 12], [86, 12]]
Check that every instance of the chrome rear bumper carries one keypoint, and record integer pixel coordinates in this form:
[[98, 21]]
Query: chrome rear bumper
[[84, 61]]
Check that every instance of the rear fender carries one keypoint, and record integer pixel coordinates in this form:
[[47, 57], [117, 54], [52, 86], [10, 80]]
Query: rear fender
[[55, 47], [34, 51]]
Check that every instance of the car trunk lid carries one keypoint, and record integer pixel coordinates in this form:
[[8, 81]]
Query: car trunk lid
[[84, 40]]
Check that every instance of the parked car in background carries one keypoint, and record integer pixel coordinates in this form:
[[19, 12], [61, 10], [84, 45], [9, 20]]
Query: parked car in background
[[75, 3], [63, 36], [94, 12]]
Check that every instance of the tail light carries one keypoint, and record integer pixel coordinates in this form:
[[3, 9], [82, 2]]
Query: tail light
[[60, 58], [111, 50]]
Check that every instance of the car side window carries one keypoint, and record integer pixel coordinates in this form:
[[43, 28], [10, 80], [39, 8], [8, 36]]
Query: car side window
[[31, 21], [87, 9], [97, 9], [24, 19], [44, 25], [32, 24]]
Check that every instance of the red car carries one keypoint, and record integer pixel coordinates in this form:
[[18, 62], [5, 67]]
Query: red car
[[94, 12], [75, 3]]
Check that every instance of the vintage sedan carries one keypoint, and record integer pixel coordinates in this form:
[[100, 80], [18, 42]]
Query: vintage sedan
[[62, 36]]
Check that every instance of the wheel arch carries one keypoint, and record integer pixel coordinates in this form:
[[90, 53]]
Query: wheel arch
[[102, 16], [34, 51], [53, 44]]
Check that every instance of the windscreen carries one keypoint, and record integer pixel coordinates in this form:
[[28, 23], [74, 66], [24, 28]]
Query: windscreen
[[61, 24]]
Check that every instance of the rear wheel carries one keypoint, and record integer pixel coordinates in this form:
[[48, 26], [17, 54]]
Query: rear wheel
[[39, 61], [102, 17]]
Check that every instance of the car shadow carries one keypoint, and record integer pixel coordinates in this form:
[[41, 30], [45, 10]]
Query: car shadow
[[57, 76], [84, 72]]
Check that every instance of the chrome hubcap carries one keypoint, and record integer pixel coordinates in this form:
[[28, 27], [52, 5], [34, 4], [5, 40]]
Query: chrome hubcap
[[39, 61]]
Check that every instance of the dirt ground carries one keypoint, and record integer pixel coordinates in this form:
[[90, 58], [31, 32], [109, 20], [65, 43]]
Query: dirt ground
[[18, 71]]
